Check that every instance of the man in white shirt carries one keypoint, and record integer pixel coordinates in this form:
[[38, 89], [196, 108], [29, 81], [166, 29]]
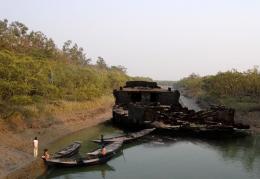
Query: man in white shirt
[[35, 147]]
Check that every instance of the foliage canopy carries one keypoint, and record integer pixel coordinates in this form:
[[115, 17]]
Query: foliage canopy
[[33, 69]]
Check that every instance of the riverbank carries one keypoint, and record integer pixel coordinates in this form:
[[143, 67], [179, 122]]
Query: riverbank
[[243, 113], [251, 117], [233, 89], [16, 155]]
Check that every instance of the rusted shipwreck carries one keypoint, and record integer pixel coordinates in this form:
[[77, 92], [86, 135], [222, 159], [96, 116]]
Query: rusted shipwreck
[[144, 104]]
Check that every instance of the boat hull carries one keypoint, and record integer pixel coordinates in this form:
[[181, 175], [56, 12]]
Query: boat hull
[[126, 138], [68, 151], [83, 162]]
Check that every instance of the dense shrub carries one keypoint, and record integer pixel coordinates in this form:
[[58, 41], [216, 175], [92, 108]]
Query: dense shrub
[[233, 88], [23, 76], [33, 69]]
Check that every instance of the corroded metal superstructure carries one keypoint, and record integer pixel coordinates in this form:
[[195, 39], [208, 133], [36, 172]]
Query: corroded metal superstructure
[[141, 103], [136, 101]]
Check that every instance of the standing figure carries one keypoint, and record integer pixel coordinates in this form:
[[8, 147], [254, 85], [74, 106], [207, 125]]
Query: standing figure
[[35, 147]]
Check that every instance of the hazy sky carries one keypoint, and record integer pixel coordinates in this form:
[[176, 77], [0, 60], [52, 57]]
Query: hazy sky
[[162, 39]]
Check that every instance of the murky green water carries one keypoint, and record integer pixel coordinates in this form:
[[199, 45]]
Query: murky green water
[[178, 158]]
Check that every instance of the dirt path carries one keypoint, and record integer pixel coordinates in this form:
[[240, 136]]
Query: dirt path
[[16, 154]]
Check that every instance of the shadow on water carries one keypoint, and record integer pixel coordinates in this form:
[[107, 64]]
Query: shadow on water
[[163, 156]]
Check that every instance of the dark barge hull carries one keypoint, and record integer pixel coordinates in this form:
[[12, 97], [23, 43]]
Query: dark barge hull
[[204, 133], [217, 132], [141, 104]]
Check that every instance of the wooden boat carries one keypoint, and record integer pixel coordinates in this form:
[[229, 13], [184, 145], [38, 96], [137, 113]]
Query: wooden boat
[[127, 137], [92, 158], [87, 161], [110, 148], [67, 162], [68, 151]]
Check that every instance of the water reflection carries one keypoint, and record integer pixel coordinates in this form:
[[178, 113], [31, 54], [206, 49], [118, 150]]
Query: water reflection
[[167, 157], [56, 173], [245, 150]]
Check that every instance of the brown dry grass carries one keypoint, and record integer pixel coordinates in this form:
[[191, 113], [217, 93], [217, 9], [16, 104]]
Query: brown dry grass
[[55, 121]]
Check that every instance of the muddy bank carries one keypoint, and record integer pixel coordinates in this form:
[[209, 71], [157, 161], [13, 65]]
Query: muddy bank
[[16, 153], [252, 118]]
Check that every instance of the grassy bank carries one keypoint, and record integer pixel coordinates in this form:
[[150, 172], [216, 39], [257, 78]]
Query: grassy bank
[[52, 123], [62, 114]]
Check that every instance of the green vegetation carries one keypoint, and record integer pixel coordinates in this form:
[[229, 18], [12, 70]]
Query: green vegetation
[[240, 90], [33, 70], [165, 83], [140, 78]]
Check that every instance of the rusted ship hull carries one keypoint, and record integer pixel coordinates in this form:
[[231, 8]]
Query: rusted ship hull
[[146, 105]]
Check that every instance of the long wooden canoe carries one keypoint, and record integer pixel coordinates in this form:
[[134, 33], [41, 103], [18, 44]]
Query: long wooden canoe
[[68, 151], [87, 161], [126, 137], [110, 148]]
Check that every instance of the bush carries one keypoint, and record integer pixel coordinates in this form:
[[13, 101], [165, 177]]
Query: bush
[[21, 100], [240, 90], [25, 76], [33, 69]]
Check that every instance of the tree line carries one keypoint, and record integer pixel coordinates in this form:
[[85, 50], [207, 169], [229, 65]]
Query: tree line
[[33, 69], [241, 86]]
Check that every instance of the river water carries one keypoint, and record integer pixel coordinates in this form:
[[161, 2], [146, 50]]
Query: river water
[[167, 157]]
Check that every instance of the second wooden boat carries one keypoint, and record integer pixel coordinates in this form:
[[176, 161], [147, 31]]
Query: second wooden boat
[[86, 161], [126, 137], [68, 151], [110, 148]]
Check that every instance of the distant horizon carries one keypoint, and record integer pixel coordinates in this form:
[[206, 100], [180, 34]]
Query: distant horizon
[[166, 40]]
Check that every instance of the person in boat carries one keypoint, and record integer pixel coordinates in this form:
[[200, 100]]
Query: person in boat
[[103, 151], [46, 155], [102, 139], [35, 147], [102, 143]]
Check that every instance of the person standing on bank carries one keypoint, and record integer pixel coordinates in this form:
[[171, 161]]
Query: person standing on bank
[[35, 147]]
